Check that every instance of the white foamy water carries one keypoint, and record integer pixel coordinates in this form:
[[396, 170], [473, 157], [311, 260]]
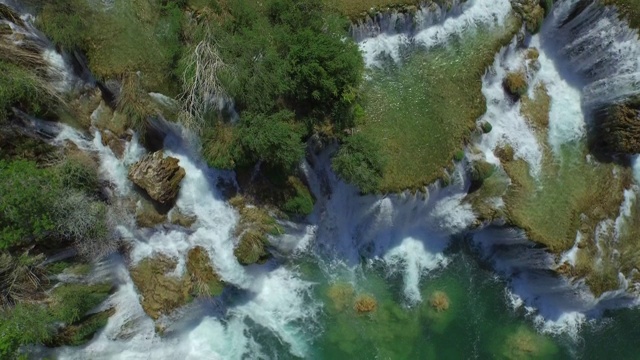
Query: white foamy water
[[408, 232], [437, 28], [272, 296], [509, 127]]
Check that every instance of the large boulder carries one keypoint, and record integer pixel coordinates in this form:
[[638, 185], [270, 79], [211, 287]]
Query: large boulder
[[159, 176], [617, 129]]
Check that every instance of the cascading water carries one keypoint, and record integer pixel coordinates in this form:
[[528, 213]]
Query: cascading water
[[275, 310]]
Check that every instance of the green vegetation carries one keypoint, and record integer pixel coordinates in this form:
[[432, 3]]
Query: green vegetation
[[423, 111], [22, 325], [252, 230], [287, 68], [72, 301], [121, 39], [361, 162], [300, 202], [629, 10], [356, 8], [552, 208], [21, 88]]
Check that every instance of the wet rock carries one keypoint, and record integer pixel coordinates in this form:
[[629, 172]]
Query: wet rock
[[147, 216], [82, 331], [176, 217], [114, 143], [160, 177]]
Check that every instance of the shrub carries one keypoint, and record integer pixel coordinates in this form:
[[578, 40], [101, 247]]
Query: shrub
[[24, 324], [486, 127], [26, 202], [79, 171], [360, 162], [65, 22], [273, 140], [72, 301], [301, 201]]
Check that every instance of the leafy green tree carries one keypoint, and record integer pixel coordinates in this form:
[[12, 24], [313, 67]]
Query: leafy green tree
[[272, 139], [27, 196], [360, 162]]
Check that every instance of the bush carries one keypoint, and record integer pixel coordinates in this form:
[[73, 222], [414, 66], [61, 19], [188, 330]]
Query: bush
[[24, 324], [73, 301], [27, 196], [360, 162], [301, 202], [65, 22], [273, 139], [20, 88]]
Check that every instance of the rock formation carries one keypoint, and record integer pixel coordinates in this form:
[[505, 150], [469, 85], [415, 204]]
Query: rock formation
[[160, 177]]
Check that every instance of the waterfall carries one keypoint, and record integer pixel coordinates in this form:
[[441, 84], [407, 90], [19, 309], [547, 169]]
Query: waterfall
[[600, 47], [436, 27]]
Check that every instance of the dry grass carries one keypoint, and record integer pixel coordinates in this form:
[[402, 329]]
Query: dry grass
[[536, 109], [21, 278]]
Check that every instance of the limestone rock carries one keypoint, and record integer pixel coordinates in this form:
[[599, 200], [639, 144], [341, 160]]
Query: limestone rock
[[176, 217], [116, 144], [147, 216], [160, 177]]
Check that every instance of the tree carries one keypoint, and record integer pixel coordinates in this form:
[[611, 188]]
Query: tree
[[271, 139], [360, 162]]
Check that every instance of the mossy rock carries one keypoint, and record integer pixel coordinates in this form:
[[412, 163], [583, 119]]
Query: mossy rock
[[299, 201], [505, 153], [458, 156], [515, 84], [481, 170], [531, 12], [341, 295], [532, 54], [176, 217], [204, 280], [161, 292], [147, 215], [486, 127], [251, 248], [252, 230]]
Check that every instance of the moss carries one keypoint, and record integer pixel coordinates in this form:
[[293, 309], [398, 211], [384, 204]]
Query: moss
[[515, 84], [205, 281], [414, 110], [505, 153], [251, 248], [629, 10], [161, 292], [147, 215], [532, 13], [481, 170], [365, 303], [526, 344], [82, 331], [532, 54], [218, 144], [459, 155]]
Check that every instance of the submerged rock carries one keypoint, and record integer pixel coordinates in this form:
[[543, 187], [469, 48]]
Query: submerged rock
[[147, 216], [365, 304], [159, 176], [342, 295], [439, 301]]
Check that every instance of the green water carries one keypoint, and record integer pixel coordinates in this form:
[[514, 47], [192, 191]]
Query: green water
[[477, 323]]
